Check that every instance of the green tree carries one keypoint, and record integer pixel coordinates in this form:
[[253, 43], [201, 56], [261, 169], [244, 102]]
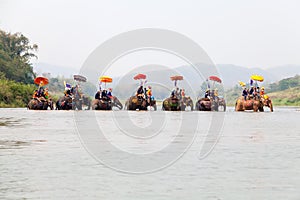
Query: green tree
[[15, 55]]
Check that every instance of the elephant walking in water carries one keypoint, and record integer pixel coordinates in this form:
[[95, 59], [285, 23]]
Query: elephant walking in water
[[139, 103], [40, 104], [136, 102], [106, 103], [206, 104], [177, 104], [101, 104], [81, 102], [249, 104], [64, 103]]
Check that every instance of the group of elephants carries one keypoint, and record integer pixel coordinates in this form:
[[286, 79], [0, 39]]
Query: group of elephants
[[82, 102], [136, 103]]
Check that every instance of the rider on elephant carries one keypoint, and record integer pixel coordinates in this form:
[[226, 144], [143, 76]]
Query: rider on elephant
[[104, 94], [251, 91], [262, 91], [140, 92], [207, 94], [35, 94], [175, 93], [98, 95], [46, 94], [109, 93], [215, 94], [149, 94], [40, 91], [67, 92], [245, 93], [258, 91], [182, 93], [41, 94]]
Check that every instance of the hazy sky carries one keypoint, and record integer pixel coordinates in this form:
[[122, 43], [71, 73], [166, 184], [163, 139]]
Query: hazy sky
[[253, 33]]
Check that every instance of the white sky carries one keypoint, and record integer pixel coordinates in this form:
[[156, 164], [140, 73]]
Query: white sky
[[253, 33]]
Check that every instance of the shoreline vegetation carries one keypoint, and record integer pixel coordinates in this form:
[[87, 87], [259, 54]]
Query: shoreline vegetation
[[17, 87]]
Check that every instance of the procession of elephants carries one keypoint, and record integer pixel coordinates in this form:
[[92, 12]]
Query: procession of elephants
[[253, 98]]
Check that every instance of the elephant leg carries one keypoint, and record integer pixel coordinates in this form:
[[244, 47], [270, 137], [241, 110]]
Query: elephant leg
[[271, 107]]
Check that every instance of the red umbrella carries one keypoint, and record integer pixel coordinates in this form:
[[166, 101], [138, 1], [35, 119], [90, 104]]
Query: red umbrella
[[215, 78], [176, 78], [139, 77], [41, 80]]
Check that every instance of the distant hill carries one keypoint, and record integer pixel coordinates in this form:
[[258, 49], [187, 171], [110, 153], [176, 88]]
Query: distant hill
[[231, 74], [288, 97], [54, 70], [286, 91], [284, 71]]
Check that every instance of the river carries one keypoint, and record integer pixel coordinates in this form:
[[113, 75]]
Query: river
[[44, 155]]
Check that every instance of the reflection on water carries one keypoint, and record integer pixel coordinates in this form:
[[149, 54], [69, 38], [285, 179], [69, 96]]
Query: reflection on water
[[10, 144], [257, 157], [10, 121]]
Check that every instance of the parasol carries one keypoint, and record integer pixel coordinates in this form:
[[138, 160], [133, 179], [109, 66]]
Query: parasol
[[215, 78], [176, 78], [41, 81], [105, 79], [79, 78], [257, 78], [242, 84], [139, 77]]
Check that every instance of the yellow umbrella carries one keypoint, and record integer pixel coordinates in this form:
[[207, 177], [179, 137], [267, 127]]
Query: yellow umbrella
[[257, 78], [242, 84]]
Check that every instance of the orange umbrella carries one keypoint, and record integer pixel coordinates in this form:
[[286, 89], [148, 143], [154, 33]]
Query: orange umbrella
[[105, 79], [41, 81], [176, 78]]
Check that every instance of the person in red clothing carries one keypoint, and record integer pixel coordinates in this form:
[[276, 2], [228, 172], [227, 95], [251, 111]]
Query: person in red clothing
[[182, 93]]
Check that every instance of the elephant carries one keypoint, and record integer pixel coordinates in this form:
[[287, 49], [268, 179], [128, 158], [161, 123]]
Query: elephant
[[136, 102], [267, 102], [64, 103], [249, 104], [106, 103], [204, 104], [102, 104], [210, 104], [40, 104], [174, 103], [81, 100]]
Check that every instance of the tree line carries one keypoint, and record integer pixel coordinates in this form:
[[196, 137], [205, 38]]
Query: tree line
[[15, 55]]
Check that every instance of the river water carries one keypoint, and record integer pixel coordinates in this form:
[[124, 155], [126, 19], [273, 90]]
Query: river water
[[256, 156]]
